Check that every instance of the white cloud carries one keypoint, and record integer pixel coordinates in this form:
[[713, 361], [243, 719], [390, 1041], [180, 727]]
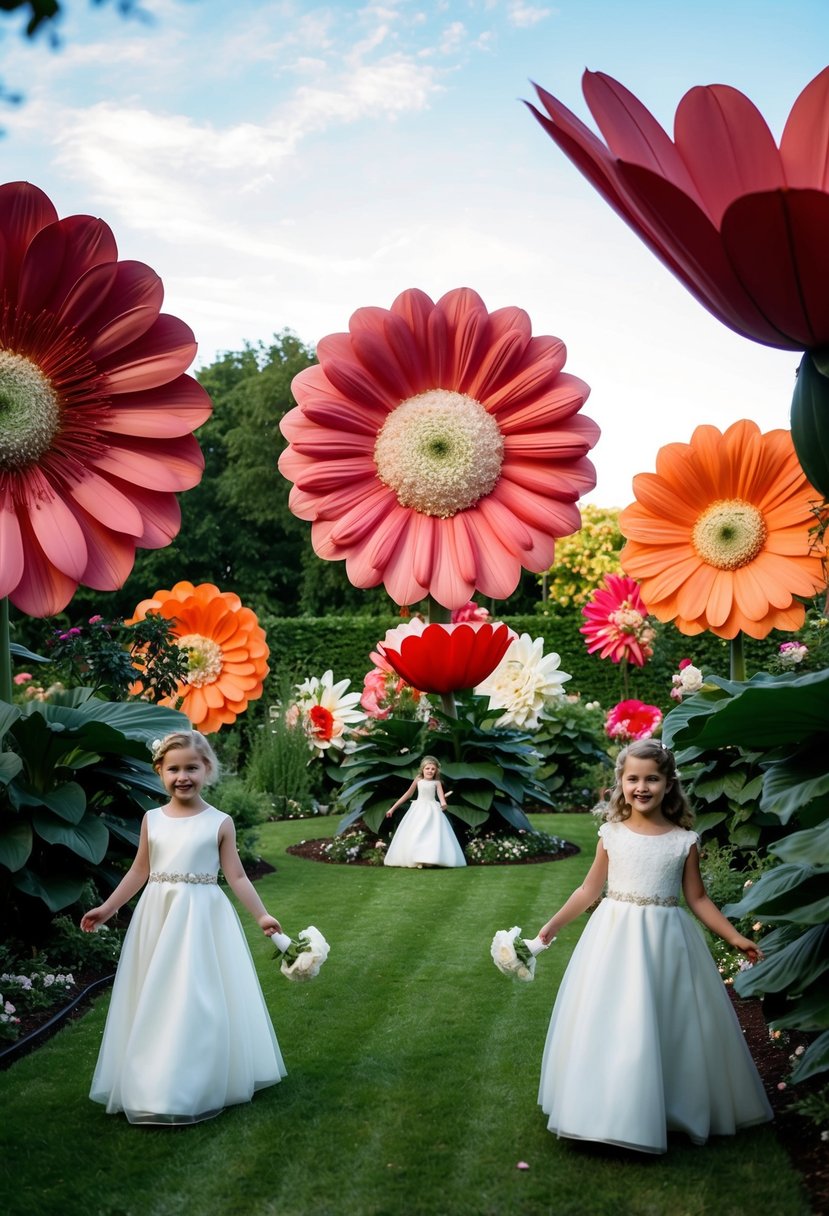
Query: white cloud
[[523, 15]]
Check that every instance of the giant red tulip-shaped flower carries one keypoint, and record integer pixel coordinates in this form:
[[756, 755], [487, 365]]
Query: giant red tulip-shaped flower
[[740, 221], [721, 538], [226, 648], [443, 658], [96, 412], [438, 448]]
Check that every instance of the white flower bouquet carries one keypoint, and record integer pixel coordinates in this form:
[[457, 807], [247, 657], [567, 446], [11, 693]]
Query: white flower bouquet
[[515, 955], [301, 958]]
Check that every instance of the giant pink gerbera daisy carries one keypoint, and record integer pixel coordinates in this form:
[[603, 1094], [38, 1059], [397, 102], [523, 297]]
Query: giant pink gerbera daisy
[[438, 448], [617, 622], [96, 412]]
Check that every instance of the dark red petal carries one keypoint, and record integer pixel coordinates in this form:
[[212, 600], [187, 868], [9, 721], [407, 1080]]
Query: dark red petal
[[24, 210], [60, 255]]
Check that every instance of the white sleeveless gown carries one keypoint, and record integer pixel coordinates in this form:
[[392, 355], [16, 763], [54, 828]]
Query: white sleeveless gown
[[424, 836]]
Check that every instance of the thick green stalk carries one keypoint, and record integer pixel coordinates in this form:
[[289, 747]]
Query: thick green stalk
[[5, 653], [738, 658]]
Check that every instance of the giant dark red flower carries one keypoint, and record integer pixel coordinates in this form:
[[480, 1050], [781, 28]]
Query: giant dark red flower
[[96, 413], [740, 221], [443, 658]]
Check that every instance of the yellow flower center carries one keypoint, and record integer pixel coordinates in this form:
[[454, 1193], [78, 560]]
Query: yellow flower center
[[729, 534], [440, 452], [29, 412], [205, 659]]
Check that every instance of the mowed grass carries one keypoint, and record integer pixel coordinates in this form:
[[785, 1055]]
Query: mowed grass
[[413, 1070]]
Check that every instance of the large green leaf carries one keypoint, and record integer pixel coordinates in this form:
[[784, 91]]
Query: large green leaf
[[8, 714], [56, 893], [789, 892], [88, 839], [790, 969], [136, 719], [10, 766], [810, 421], [68, 800], [809, 848], [815, 1060], [796, 780], [470, 815], [763, 713], [28, 656], [809, 1011], [121, 829], [15, 843]]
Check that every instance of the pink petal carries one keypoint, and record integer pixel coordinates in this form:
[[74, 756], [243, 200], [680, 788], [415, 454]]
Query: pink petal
[[467, 336], [177, 408], [58, 535], [58, 256], [111, 556], [24, 211], [105, 502], [43, 590], [727, 146], [178, 466], [804, 148], [160, 355], [11, 547]]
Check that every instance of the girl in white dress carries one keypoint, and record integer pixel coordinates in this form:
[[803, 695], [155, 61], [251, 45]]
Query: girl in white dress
[[424, 836], [188, 1031], [643, 1038]]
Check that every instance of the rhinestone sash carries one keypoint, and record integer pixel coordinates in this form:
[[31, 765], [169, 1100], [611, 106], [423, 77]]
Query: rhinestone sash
[[163, 876], [667, 901]]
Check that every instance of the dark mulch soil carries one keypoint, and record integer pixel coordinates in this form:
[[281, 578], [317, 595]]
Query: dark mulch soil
[[314, 850]]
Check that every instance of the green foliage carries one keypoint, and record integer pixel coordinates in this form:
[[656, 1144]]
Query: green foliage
[[75, 779], [584, 558], [493, 773], [491, 848], [280, 765], [773, 732], [107, 657], [572, 742]]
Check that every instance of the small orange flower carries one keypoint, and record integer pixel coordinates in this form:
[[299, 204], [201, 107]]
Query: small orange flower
[[227, 649], [719, 536]]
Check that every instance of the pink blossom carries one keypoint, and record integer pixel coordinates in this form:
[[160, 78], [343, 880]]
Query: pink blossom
[[617, 622], [632, 720], [23, 677], [470, 612]]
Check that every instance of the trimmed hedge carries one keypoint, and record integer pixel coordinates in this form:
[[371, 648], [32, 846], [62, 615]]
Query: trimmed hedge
[[305, 646]]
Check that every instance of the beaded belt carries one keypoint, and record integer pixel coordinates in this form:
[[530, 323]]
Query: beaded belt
[[161, 876], [667, 901]]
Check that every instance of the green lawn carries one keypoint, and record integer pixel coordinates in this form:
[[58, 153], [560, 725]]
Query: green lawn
[[413, 1066]]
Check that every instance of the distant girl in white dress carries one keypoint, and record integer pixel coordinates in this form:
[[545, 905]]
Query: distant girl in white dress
[[187, 1032], [424, 836], [643, 1038]]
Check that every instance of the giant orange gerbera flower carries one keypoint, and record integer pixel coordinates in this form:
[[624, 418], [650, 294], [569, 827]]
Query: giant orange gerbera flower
[[226, 646], [719, 535], [438, 448], [96, 413]]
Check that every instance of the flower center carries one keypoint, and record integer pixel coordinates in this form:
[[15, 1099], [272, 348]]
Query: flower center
[[205, 659], [29, 412], [440, 452], [729, 534], [322, 721]]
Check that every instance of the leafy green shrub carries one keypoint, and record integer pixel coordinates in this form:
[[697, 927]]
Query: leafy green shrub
[[572, 742], [280, 765]]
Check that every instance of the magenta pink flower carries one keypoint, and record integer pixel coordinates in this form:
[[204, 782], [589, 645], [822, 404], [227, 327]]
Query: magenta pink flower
[[631, 720], [438, 448], [97, 411], [469, 612], [443, 658], [617, 622]]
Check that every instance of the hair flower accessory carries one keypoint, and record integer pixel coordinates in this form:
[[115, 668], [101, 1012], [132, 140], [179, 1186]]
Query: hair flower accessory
[[155, 748]]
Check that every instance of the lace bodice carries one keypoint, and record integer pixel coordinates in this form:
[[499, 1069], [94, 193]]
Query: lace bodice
[[647, 867]]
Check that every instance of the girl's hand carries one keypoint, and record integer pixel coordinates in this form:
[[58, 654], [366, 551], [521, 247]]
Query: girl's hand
[[546, 934], [94, 918], [269, 925], [389, 814], [749, 948]]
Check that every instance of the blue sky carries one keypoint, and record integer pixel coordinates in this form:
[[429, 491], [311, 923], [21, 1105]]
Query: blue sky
[[282, 164]]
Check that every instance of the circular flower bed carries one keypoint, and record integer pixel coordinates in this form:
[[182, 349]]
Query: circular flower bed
[[359, 847]]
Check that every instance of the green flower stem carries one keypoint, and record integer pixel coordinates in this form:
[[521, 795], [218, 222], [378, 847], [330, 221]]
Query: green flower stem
[[5, 653], [738, 658]]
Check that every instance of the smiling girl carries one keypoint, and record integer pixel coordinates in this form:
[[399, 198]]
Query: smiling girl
[[643, 1038], [188, 1031]]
